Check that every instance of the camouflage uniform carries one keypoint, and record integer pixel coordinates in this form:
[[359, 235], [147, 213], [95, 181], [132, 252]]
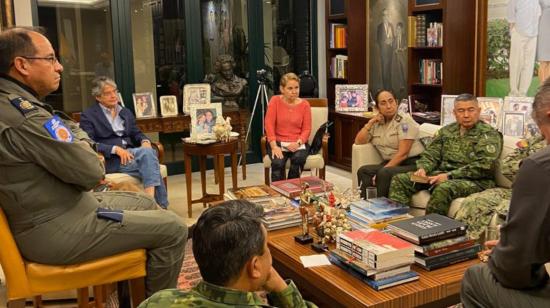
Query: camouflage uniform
[[478, 209], [469, 161], [209, 295]]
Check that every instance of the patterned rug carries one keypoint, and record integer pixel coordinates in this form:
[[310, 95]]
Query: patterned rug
[[189, 276]]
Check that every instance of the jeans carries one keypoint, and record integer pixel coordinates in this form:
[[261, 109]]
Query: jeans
[[145, 166]]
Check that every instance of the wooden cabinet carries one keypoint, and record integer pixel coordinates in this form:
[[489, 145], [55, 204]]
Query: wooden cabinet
[[456, 52], [346, 126]]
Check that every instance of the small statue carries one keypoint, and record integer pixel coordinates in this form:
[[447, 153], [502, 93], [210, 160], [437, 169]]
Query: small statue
[[222, 129], [305, 201], [226, 84]]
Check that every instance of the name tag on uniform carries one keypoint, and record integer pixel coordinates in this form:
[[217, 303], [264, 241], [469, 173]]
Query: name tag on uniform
[[57, 130]]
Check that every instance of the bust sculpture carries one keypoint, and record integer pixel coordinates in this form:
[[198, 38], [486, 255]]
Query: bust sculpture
[[226, 84]]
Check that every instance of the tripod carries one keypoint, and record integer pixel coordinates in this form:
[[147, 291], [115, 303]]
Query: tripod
[[261, 96]]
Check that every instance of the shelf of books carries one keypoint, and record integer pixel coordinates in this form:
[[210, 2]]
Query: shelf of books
[[441, 50]]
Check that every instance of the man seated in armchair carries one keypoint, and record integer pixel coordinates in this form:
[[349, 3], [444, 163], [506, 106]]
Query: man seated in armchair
[[125, 148], [460, 160]]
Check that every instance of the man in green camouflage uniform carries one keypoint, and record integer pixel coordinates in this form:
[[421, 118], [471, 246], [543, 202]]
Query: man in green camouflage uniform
[[460, 160], [478, 209], [230, 246], [48, 168]]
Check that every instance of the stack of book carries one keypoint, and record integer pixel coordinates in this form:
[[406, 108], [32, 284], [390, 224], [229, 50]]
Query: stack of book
[[439, 240], [338, 36], [377, 258], [339, 67], [293, 187], [431, 71], [376, 213], [279, 213]]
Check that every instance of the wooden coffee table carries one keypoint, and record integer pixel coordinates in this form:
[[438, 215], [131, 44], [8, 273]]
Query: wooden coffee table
[[330, 286]]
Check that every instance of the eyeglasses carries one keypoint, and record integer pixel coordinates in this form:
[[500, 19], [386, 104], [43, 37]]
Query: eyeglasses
[[53, 59]]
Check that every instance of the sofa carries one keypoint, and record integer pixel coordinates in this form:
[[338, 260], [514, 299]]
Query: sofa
[[366, 154]]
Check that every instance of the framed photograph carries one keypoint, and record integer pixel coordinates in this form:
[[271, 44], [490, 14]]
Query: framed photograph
[[514, 124], [518, 104], [491, 111], [203, 119], [197, 94], [352, 97], [144, 105], [447, 107], [168, 106]]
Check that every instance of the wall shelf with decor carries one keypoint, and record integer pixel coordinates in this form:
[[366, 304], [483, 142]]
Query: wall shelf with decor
[[346, 52], [441, 56]]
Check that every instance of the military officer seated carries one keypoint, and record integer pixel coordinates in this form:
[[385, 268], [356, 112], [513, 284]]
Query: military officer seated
[[460, 160], [230, 246]]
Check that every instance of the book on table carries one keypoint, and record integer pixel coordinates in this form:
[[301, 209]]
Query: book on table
[[292, 188], [253, 193], [445, 246], [435, 262], [375, 248], [375, 284], [379, 207], [373, 273], [426, 229]]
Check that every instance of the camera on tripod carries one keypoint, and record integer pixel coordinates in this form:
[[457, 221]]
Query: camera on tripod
[[261, 75]]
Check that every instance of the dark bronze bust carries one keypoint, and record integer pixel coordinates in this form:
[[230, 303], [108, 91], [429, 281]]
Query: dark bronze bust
[[226, 84]]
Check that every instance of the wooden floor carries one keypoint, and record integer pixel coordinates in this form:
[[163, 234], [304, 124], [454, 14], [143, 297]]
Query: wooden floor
[[330, 286]]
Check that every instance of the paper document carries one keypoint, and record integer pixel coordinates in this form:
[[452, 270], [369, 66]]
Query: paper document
[[285, 144], [314, 260]]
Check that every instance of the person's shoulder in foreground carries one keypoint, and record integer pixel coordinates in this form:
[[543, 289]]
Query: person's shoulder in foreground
[[233, 233]]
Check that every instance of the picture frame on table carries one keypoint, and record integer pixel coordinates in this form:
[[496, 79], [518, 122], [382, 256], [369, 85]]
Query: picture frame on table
[[447, 107], [197, 94], [514, 124], [491, 111], [169, 106], [203, 119], [352, 97], [144, 105], [523, 104]]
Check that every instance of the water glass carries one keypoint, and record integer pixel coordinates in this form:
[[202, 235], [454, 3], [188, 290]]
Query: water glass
[[492, 233], [371, 192]]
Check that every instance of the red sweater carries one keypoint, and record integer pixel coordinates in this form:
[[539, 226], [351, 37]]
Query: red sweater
[[284, 122]]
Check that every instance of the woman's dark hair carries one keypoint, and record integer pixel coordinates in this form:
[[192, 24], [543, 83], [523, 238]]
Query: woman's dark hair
[[380, 92]]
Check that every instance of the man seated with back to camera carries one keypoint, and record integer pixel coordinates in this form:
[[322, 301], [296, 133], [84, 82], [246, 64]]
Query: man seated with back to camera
[[230, 246], [125, 148], [48, 168], [515, 275], [458, 162]]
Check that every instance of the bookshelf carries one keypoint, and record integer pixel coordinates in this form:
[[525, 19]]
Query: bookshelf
[[346, 24], [448, 64]]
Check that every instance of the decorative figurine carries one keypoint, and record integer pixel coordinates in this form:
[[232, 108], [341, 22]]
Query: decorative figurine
[[305, 201], [222, 129]]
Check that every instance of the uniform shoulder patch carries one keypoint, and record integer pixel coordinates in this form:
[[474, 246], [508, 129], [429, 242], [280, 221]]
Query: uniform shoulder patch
[[58, 130], [24, 106], [491, 148], [404, 127], [398, 118]]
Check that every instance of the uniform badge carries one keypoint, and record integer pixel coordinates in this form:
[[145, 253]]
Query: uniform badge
[[405, 128], [23, 105], [490, 148], [57, 130]]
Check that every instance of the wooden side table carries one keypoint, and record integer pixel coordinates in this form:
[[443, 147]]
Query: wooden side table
[[217, 150]]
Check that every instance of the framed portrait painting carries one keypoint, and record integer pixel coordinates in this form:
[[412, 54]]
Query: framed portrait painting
[[352, 97], [514, 124], [203, 119], [197, 94], [491, 111], [144, 105], [168, 106], [447, 107]]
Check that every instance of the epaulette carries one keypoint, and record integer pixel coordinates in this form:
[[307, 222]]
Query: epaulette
[[23, 105], [398, 118]]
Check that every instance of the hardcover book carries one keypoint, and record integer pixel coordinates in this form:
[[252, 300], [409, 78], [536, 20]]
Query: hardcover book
[[254, 192], [428, 261], [426, 229], [293, 187], [380, 207], [449, 245]]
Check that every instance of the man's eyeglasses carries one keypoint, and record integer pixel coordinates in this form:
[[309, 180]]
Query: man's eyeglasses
[[53, 59]]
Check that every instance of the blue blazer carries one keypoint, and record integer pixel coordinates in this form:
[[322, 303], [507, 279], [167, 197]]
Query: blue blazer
[[94, 122]]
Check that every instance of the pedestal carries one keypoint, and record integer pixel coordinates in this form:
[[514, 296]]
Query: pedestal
[[303, 239]]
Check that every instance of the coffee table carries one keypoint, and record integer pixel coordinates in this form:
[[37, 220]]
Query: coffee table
[[330, 286]]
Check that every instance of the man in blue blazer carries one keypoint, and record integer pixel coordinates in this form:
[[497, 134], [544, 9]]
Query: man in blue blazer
[[125, 148]]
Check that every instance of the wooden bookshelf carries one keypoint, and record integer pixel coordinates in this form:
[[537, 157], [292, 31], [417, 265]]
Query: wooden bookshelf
[[352, 14], [457, 53]]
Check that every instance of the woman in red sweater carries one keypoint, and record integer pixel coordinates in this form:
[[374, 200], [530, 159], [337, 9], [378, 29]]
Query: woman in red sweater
[[288, 125]]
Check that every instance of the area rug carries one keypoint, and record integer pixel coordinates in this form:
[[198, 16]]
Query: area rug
[[189, 276]]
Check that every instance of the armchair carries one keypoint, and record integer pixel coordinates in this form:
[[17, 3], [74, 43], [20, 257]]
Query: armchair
[[319, 115], [26, 279]]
